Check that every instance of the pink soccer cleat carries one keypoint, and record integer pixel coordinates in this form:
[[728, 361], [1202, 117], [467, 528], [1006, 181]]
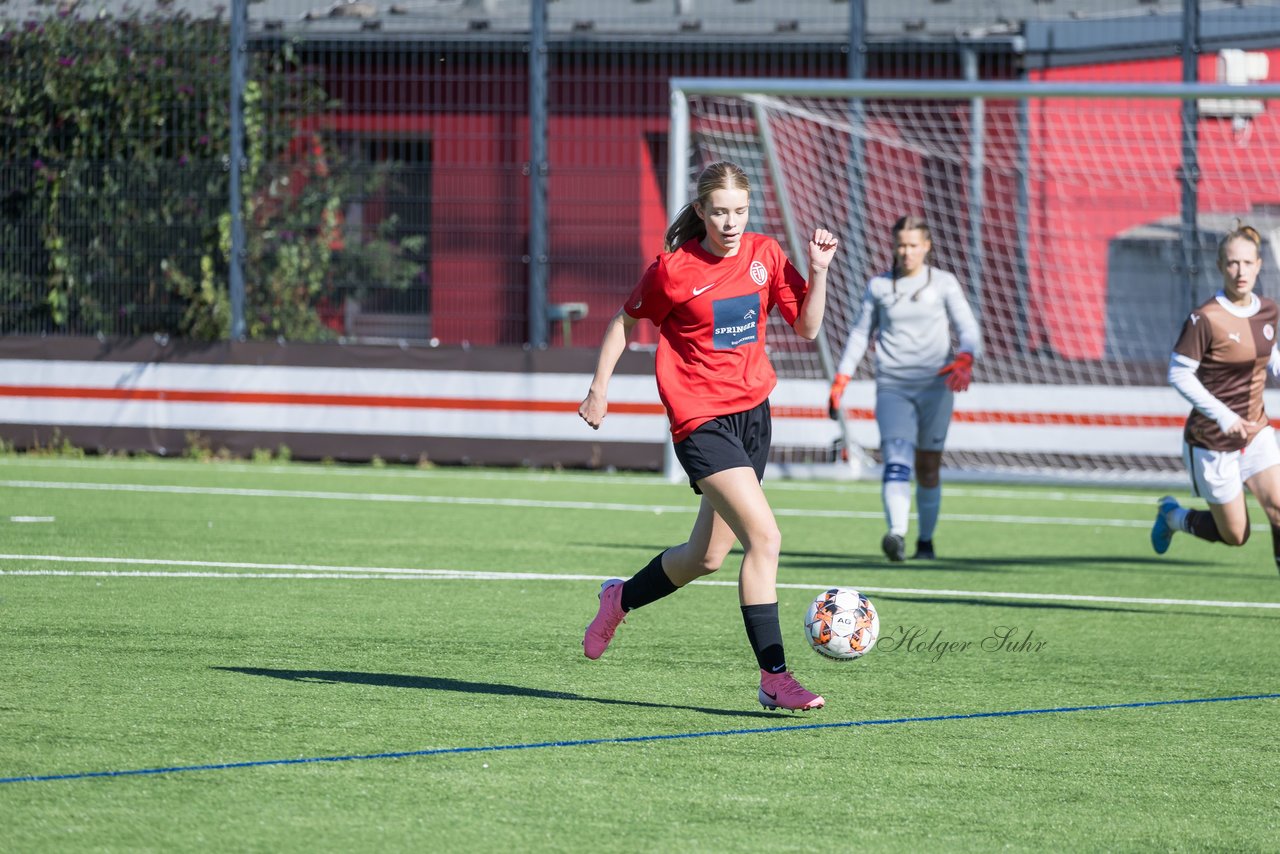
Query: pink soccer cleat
[[607, 620], [782, 691]]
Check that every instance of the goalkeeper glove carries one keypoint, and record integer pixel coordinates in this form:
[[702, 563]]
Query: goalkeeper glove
[[959, 372], [837, 392]]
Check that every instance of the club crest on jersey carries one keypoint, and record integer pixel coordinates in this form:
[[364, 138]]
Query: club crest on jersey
[[736, 321], [1268, 331], [759, 274]]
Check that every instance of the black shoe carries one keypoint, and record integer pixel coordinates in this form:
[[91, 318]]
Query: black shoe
[[894, 548], [924, 550]]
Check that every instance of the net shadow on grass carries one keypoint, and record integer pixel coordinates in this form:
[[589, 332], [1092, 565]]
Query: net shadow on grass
[[437, 683], [1030, 563], [850, 561], [792, 559], [1161, 611], [798, 560]]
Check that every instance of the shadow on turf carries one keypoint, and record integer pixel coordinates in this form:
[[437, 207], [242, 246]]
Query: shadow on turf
[[1163, 565], [435, 683], [827, 560], [848, 561]]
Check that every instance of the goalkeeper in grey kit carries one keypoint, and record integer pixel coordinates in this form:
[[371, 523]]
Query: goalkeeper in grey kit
[[912, 312]]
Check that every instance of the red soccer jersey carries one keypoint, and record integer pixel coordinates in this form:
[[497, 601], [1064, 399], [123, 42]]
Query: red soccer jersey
[[711, 313]]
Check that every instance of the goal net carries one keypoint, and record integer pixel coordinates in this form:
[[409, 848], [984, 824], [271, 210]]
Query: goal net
[[1061, 208]]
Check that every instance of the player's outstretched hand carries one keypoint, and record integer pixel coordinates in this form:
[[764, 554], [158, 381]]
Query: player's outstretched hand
[[593, 409], [837, 393], [822, 248], [959, 373]]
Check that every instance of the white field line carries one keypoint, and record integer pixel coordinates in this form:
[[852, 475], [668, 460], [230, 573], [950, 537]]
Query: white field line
[[474, 575], [397, 498], [450, 473], [647, 480], [207, 569], [106, 573]]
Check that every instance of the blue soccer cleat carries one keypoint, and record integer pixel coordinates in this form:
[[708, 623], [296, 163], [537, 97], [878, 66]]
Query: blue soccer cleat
[[1162, 531]]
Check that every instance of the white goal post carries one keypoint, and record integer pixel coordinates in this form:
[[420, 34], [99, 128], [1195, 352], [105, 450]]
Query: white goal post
[[1063, 208]]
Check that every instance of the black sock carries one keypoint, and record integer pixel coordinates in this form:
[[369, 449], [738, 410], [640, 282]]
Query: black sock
[[1200, 524], [765, 635], [648, 585], [1275, 544]]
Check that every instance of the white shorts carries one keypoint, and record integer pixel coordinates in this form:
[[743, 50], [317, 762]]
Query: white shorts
[[917, 414], [1219, 476]]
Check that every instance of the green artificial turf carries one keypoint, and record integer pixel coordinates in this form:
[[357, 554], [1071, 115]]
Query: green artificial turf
[[253, 616]]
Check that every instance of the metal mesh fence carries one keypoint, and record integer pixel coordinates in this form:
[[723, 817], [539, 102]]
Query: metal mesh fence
[[110, 169], [388, 172]]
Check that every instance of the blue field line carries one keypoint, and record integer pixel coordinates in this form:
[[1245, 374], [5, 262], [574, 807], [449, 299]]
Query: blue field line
[[633, 739]]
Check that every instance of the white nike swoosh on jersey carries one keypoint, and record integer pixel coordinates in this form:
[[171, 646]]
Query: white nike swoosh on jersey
[[703, 289]]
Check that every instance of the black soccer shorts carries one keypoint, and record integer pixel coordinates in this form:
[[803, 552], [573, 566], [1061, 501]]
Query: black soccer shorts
[[727, 442]]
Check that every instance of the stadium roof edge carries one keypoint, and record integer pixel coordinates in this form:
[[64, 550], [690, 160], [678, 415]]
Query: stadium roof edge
[[1050, 43], [1061, 32]]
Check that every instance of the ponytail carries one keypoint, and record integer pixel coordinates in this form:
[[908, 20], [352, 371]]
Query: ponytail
[[687, 226]]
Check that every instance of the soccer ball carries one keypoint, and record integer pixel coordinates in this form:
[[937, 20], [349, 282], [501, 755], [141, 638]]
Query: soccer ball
[[842, 624]]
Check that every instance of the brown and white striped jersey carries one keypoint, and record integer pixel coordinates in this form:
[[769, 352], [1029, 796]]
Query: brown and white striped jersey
[[1230, 347]]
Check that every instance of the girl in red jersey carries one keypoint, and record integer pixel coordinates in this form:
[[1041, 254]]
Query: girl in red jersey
[[1220, 365], [709, 295]]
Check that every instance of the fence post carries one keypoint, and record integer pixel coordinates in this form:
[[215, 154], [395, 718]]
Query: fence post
[[237, 164], [855, 246], [1190, 171], [538, 333]]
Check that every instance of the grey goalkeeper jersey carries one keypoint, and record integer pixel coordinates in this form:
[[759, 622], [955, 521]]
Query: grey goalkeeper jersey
[[912, 319]]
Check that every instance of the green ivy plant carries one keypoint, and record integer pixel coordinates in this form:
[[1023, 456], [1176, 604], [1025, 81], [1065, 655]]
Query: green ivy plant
[[114, 203]]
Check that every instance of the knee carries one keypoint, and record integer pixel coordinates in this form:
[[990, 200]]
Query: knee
[[898, 454], [928, 468], [766, 543], [709, 563], [897, 473], [689, 566], [1236, 537]]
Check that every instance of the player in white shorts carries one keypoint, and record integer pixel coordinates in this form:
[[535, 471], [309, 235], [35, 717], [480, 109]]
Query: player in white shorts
[[1219, 364], [912, 312]]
